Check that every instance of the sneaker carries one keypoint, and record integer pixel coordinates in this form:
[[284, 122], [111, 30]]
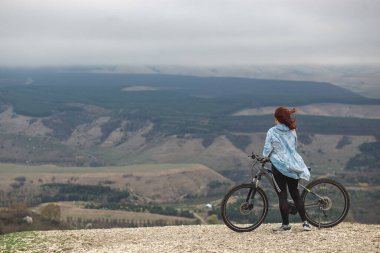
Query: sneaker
[[306, 226], [283, 228]]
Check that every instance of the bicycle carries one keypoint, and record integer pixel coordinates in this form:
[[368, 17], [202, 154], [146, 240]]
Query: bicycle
[[245, 206]]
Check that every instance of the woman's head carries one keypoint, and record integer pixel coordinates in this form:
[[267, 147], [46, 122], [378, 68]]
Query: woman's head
[[284, 116]]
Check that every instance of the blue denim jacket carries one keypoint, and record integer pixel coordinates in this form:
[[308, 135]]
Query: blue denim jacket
[[281, 147]]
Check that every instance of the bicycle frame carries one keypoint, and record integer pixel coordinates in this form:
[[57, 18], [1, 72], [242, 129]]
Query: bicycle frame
[[263, 171]]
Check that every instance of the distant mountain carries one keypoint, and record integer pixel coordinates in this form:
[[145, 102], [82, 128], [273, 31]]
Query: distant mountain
[[40, 93]]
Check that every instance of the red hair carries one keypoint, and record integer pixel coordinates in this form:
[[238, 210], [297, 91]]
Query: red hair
[[284, 116]]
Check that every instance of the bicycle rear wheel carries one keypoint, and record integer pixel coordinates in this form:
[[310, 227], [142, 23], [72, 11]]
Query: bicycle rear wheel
[[326, 202], [240, 215]]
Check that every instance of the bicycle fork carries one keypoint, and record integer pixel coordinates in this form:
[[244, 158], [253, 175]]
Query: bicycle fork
[[252, 191]]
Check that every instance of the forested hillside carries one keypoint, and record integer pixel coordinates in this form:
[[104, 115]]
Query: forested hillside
[[70, 117]]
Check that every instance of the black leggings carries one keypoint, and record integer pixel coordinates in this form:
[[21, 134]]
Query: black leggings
[[280, 181]]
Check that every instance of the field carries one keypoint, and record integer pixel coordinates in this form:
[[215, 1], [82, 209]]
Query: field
[[154, 182], [74, 211], [124, 196]]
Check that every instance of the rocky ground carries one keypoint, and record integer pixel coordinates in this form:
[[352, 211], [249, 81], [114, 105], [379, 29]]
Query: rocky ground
[[346, 237]]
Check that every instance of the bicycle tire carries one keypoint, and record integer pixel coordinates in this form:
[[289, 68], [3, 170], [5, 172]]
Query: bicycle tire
[[261, 217], [313, 187]]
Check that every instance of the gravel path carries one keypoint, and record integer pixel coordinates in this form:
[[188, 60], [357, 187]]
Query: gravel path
[[346, 237]]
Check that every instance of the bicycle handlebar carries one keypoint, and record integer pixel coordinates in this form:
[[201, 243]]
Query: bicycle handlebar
[[259, 158]]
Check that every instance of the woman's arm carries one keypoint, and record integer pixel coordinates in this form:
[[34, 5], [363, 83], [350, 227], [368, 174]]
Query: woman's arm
[[268, 147], [295, 141]]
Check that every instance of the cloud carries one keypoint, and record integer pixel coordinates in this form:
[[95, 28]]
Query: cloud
[[200, 32]]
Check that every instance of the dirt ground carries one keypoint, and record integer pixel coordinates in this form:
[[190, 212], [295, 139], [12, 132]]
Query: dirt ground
[[346, 237]]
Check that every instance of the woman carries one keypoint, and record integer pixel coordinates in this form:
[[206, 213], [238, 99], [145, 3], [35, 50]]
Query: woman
[[287, 165]]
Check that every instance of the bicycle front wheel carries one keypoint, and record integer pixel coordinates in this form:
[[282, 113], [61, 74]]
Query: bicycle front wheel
[[244, 209], [326, 202]]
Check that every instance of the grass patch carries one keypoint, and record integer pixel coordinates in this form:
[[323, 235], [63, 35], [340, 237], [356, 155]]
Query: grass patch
[[21, 241]]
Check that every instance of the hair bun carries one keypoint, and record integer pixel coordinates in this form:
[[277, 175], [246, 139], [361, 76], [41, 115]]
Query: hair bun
[[293, 110]]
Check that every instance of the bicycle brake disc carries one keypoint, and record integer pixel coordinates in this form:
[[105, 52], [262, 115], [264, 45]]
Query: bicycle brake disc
[[326, 203], [246, 208]]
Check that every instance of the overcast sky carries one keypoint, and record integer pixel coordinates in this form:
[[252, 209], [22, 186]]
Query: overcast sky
[[188, 32]]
